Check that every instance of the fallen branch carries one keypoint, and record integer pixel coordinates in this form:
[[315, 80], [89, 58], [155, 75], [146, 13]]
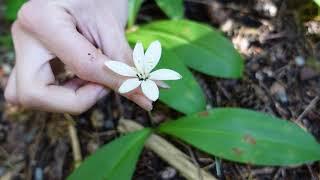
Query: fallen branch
[[168, 152]]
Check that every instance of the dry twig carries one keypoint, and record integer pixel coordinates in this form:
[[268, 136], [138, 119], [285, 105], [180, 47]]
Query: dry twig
[[167, 152], [74, 141], [311, 105]]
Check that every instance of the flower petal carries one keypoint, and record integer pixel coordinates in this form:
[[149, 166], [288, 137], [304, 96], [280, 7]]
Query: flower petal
[[150, 90], [129, 85], [152, 56], [138, 56], [165, 74], [121, 68]]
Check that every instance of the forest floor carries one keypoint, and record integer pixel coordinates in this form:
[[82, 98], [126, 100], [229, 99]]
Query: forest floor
[[280, 42]]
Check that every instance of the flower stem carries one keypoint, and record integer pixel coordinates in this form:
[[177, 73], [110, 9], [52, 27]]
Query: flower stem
[[151, 119]]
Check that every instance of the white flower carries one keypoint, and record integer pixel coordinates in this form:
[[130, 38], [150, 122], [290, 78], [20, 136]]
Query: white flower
[[141, 74]]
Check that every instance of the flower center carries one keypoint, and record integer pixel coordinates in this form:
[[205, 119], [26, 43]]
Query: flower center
[[142, 77]]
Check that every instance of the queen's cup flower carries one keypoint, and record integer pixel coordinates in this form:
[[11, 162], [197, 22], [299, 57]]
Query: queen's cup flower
[[141, 74]]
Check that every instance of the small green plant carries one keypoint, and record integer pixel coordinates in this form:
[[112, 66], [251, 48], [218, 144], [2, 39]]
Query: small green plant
[[231, 133]]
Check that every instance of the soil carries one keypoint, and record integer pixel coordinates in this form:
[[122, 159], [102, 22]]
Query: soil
[[280, 42]]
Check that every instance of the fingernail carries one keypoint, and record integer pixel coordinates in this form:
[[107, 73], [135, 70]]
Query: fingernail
[[103, 93], [163, 85]]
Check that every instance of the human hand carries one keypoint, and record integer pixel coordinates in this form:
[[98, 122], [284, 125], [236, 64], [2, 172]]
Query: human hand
[[73, 31]]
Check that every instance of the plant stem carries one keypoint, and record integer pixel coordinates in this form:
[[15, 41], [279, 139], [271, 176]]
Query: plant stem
[[151, 118], [76, 150], [218, 166], [167, 152]]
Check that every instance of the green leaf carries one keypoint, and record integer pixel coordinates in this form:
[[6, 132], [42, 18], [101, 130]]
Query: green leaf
[[134, 7], [11, 8], [317, 1], [172, 8], [246, 136], [115, 160], [199, 46], [184, 95]]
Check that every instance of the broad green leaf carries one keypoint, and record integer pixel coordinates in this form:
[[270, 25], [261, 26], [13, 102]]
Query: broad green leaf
[[246, 136], [134, 7], [11, 8], [184, 95], [199, 46], [172, 8], [114, 161]]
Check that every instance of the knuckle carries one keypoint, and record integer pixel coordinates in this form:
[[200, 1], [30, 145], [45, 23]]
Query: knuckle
[[28, 98], [83, 70], [26, 15], [25, 11]]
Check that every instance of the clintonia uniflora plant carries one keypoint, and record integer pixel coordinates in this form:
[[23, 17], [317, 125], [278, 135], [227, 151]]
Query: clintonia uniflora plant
[[141, 74], [234, 134], [231, 133]]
